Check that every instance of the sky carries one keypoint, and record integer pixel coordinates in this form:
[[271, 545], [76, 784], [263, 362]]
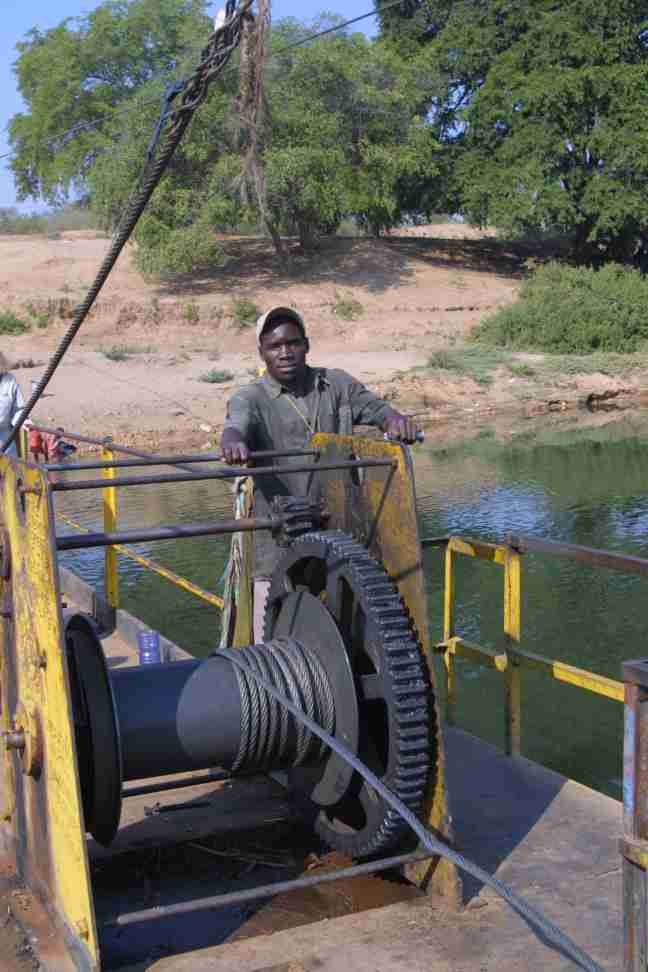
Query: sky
[[18, 18]]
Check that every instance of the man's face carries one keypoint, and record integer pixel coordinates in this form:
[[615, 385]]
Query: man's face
[[283, 350]]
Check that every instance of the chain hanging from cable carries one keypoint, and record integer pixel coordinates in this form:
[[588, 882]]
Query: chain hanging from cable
[[217, 52]]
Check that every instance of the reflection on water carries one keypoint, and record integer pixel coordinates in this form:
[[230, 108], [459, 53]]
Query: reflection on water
[[587, 486], [583, 485]]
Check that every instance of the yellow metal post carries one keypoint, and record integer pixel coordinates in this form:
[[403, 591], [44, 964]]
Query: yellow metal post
[[448, 630], [22, 443], [42, 837], [110, 524], [512, 672]]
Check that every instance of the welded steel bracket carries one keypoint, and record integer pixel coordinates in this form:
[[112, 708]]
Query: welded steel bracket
[[42, 833], [377, 506]]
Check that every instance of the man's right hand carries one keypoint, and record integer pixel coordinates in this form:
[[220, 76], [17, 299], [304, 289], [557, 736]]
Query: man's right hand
[[234, 450]]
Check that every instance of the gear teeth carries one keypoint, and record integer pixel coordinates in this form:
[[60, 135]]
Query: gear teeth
[[405, 677]]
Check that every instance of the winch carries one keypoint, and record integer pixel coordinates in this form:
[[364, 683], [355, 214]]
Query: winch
[[346, 645], [338, 644]]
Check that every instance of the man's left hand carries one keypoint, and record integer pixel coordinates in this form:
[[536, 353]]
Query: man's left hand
[[401, 428]]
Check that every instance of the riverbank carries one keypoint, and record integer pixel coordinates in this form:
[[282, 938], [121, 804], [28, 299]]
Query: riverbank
[[156, 362]]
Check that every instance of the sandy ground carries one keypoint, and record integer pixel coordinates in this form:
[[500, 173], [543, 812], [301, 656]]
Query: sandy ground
[[418, 292]]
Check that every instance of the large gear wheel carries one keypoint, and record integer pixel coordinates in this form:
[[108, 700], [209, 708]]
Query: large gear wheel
[[396, 713]]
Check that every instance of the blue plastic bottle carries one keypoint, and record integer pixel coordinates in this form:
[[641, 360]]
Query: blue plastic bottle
[[148, 644]]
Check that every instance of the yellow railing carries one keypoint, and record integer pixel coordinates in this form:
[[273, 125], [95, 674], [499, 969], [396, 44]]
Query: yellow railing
[[111, 565], [512, 659]]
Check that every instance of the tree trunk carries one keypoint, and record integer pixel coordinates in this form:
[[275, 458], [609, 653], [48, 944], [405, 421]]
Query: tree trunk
[[252, 105]]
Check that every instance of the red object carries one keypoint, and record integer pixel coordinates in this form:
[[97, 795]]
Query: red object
[[35, 442], [46, 443]]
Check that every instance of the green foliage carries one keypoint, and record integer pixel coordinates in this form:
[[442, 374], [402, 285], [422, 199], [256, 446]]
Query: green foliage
[[121, 352], [10, 323], [215, 377], [166, 248], [41, 316], [341, 136], [13, 222], [521, 370], [191, 313], [87, 68], [345, 138], [541, 107], [118, 352], [573, 310], [348, 308], [244, 311], [473, 362]]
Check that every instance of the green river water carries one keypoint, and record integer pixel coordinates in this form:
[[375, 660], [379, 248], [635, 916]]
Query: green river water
[[581, 481]]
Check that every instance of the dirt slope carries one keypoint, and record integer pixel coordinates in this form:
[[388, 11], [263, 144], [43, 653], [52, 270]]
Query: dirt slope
[[414, 294]]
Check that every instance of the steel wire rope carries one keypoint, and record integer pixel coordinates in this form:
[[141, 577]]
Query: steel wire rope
[[269, 737], [214, 57], [431, 843], [81, 127]]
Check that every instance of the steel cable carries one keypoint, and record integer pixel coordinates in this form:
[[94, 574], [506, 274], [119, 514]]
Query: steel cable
[[215, 56], [431, 843], [270, 737]]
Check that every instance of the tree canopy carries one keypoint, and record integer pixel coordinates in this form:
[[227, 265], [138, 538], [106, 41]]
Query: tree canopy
[[541, 108], [340, 136], [528, 115]]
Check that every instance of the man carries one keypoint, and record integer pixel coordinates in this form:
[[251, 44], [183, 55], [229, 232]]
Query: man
[[281, 411]]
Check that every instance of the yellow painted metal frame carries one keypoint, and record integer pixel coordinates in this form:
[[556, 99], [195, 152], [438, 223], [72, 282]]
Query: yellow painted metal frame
[[42, 834], [513, 659], [109, 499]]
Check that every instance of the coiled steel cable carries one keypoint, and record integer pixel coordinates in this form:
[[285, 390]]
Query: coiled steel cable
[[214, 57], [269, 736], [431, 843]]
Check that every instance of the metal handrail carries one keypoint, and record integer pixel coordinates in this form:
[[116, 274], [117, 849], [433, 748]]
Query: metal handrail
[[214, 599], [513, 659], [231, 473]]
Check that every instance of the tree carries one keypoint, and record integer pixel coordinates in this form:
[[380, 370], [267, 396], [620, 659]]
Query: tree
[[86, 69], [295, 142], [541, 109], [337, 137], [345, 136]]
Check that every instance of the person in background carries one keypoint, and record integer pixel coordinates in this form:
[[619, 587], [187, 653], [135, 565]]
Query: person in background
[[49, 445], [11, 403], [281, 410]]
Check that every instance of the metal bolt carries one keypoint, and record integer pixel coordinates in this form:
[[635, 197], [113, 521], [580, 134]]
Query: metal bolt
[[36, 490], [14, 739]]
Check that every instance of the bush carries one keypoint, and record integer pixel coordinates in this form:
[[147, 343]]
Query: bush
[[245, 312], [215, 377], [12, 222], [118, 352], [51, 223], [11, 324], [576, 310], [121, 352], [163, 251], [348, 308], [191, 313], [476, 363]]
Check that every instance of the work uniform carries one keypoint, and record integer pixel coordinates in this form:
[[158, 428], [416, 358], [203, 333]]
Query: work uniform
[[11, 405], [268, 416]]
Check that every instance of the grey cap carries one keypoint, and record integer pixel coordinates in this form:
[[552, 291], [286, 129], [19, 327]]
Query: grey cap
[[278, 314]]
